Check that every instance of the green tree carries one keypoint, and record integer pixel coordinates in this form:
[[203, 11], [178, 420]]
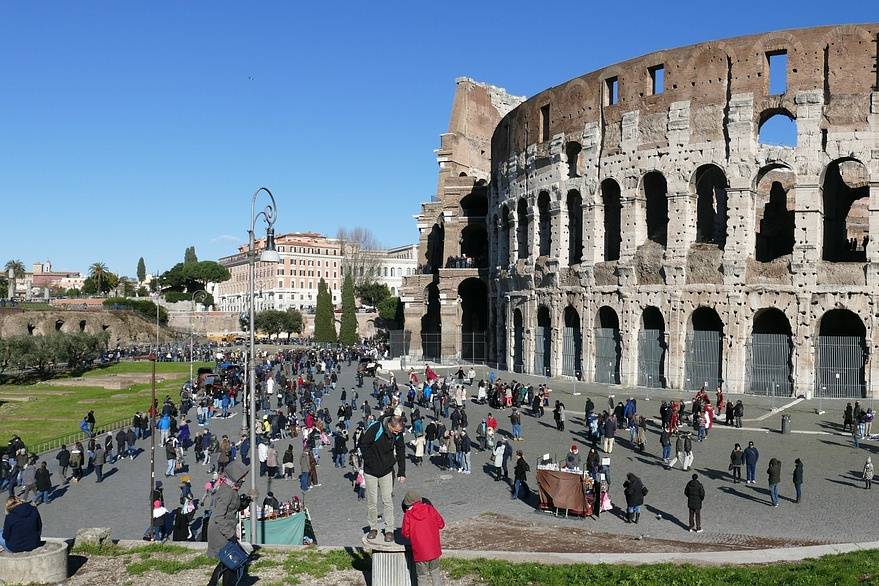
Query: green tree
[[100, 279], [141, 270], [17, 267], [390, 311], [270, 322], [324, 318], [373, 293], [72, 292], [348, 325], [292, 322], [4, 288], [189, 256], [192, 277], [142, 291]]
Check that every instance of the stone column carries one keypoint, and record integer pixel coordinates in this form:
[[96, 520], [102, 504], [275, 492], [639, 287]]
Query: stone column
[[633, 223], [676, 325], [450, 326], [629, 328], [740, 234], [804, 334], [413, 309], [809, 233], [735, 346], [681, 234], [873, 243]]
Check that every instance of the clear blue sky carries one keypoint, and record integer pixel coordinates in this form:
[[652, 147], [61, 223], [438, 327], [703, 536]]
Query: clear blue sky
[[136, 129]]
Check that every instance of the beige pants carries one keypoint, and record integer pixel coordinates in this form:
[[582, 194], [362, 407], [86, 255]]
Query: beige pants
[[607, 444], [386, 485], [429, 570]]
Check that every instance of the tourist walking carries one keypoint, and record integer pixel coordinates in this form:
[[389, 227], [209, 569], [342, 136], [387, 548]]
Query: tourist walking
[[610, 431], [695, 493], [868, 473], [224, 519], [798, 479]]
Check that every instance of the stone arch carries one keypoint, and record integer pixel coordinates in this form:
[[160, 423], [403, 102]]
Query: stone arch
[[544, 224], [770, 356], [774, 220], [608, 346], [575, 227], [709, 183], [474, 244], [704, 349], [845, 195], [654, 189], [612, 220], [431, 324], [572, 154], [841, 355], [435, 245], [543, 342], [572, 343], [522, 228], [59, 325], [518, 341], [777, 127], [473, 293], [652, 348], [82, 326]]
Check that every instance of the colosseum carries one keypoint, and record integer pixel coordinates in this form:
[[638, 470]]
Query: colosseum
[[654, 223]]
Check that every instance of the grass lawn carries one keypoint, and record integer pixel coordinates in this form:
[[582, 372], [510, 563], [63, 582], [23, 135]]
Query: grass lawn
[[58, 409], [309, 565]]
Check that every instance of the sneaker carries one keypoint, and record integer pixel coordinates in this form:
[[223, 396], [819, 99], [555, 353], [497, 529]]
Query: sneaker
[[692, 530], [698, 531], [373, 533]]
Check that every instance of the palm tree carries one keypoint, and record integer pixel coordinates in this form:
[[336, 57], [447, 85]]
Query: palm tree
[[17, 268], [98, 272]]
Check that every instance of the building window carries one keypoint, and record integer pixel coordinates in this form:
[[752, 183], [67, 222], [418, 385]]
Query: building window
[[777, 72], [612, 91], [544, 123], [392, 271], [657, 79]]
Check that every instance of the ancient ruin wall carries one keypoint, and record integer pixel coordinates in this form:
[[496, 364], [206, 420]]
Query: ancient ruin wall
[[580, 174]]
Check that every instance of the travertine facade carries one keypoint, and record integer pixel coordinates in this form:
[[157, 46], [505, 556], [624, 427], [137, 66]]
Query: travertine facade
[[642, 230]]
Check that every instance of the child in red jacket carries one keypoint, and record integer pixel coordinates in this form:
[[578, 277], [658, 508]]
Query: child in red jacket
[[421, 526]]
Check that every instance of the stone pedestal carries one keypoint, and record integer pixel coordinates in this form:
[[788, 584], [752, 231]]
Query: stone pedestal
[[44, 565], [391, 562]]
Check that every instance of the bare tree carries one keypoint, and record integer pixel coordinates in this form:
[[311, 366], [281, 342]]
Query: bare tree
[[361, 254]]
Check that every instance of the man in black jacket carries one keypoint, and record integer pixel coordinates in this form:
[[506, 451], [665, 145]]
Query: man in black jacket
[[695, 494], [382, 446]]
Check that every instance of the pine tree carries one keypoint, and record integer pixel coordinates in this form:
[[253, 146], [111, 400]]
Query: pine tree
[[324, 326], [348, 327], [189, 256], [141, 270]]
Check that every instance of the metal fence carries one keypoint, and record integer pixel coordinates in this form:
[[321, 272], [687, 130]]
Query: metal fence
[[704, 357], [572, 345], [769, 365], [541, 350], [839, 367], [474, 346], [79, 436], [607, 355], [431, 346], [400, 342], [651, 358], [518, 351]]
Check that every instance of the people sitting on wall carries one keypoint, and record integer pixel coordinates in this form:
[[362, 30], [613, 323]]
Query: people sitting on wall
[[22, 527]]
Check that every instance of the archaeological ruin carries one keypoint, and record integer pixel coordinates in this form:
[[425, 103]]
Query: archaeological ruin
[[696, 216]]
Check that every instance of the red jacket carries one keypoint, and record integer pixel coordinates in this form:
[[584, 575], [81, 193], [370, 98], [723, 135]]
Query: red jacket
[[491, 422], [421, 526]]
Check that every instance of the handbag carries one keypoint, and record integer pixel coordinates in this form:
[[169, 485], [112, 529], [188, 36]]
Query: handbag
[[233, 555]]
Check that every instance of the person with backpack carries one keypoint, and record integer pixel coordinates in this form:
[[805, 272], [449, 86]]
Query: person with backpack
[[382, 447], [634, 491]]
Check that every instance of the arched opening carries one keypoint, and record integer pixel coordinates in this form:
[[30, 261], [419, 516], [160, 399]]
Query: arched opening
[[59, 324], [435, 244], [778, 128], [770, 355], [474, 245], [572, 344], [575, 228], [775, 218], [504, 236], [656, 196], [431, 332], [704, 346], [841, 355], [572, 150], [522, 229], [82, 325], [542, 341], [610, 200], [607, 346], [544, 225], [474, 320], [652, 347], [846, 195], [711, 209], [475, 203], [518, 342]]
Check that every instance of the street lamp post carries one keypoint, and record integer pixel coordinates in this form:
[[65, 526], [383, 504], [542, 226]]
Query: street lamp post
[[204, 294], [268, 254]]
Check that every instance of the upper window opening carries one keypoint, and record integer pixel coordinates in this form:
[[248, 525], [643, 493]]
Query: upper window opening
[[777, 72], [544, 123], [613, 91], [657, 79]]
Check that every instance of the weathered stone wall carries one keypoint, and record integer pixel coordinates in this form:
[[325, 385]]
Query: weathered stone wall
[[716, 96], [124, 327]]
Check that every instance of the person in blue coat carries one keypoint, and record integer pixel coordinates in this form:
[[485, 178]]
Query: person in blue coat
[[751, 456], [22, 527]]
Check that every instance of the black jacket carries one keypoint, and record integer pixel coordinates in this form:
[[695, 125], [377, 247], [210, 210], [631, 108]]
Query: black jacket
[[695, 494], [379, 455], [521, 469], [798, 473], [634, 491]]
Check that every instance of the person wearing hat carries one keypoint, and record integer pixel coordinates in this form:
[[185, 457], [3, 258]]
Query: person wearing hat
[[224, 519], [421, 526], [382, 446], [573, 460]]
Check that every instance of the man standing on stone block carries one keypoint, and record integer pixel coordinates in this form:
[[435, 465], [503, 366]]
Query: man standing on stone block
[[421, 526], [382, 446]]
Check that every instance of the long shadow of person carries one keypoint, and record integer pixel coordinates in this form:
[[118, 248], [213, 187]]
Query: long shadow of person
[[663, 514]]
